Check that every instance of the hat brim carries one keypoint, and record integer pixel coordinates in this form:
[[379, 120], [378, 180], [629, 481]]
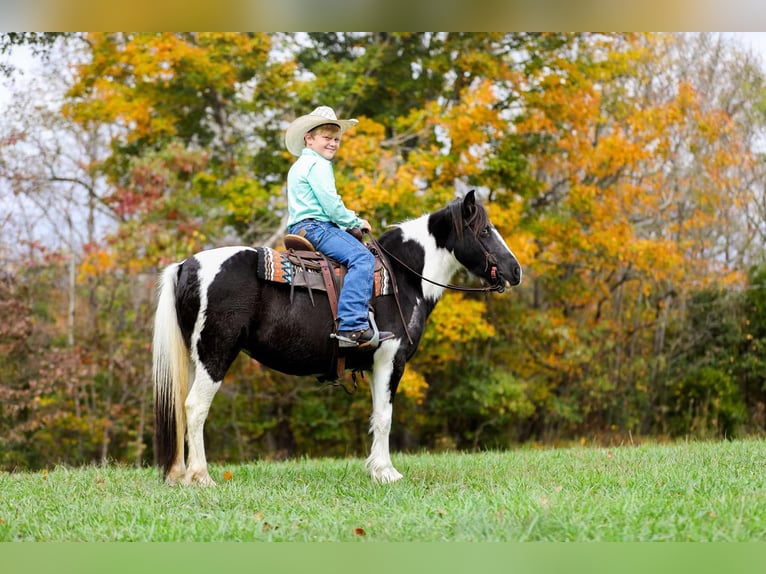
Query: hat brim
[[297, 129]]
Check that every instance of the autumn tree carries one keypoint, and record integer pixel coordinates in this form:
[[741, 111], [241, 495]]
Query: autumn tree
[[619, 167], [631, 161]]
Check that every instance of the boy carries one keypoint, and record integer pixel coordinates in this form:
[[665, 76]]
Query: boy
[[316, 211]]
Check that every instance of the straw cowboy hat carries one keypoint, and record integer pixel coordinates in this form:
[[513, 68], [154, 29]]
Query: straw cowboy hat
[[297, 129]]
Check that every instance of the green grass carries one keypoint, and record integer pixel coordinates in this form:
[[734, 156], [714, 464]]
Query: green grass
[[681, 492]]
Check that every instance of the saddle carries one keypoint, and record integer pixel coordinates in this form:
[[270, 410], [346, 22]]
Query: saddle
[[301, 253], [301, 266]]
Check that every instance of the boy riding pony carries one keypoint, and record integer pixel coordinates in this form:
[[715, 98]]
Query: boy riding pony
[[317, 212]]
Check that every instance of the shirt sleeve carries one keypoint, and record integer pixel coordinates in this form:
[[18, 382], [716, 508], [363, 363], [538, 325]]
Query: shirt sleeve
[[322, 181]]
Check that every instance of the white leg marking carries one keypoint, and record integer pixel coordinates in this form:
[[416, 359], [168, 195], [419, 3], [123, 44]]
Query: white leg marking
[[177, 472], [379, 464], [204, 388], [197, 407]]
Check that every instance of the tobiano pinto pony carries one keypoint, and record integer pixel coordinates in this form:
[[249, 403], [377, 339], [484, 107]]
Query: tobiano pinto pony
[[213, 305]]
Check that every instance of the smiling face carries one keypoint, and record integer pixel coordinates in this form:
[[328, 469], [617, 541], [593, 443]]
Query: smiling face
[[324, 140]]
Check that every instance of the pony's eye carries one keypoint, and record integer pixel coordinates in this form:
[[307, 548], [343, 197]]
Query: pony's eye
[[485, 232]]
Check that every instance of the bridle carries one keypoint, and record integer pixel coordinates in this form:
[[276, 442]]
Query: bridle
[[490, 260], [385, 253], [498, 286]]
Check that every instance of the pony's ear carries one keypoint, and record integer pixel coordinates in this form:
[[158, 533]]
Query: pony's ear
[[469, 204]]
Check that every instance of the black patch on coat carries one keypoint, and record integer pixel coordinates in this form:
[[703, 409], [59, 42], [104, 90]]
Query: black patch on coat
[[230, 300], [187, 298]]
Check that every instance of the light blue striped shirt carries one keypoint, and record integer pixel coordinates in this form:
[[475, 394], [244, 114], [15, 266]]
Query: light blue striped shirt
[[311, 193]]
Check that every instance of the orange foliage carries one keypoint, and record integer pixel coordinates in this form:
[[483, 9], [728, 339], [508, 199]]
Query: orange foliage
[[95, 263]]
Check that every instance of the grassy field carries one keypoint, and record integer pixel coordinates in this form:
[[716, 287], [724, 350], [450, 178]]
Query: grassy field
[[682, 492]]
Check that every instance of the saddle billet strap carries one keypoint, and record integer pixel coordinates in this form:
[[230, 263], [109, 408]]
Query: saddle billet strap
[[329, 279], [302, 263], [338, 363]]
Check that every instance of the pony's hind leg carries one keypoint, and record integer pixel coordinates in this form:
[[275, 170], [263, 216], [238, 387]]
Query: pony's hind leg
[[385, 378], [197, 405], [177, 472]]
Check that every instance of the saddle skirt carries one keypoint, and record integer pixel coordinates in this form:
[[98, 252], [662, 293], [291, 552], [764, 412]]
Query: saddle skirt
[[304, 269]]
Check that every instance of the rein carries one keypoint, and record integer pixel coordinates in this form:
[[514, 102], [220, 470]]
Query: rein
[[382, 250], [497, 287]]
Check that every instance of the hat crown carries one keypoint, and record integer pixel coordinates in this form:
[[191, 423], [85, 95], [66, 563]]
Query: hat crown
[[325, 112]]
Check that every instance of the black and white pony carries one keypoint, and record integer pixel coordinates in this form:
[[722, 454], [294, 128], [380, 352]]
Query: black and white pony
[[213, 305]]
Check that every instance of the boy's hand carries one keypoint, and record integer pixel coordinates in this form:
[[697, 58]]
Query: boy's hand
[[365, 227]]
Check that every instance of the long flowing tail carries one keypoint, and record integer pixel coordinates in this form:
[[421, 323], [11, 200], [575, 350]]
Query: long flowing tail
[[170, 370]]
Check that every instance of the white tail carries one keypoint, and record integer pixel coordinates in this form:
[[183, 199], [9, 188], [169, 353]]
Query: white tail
[[170, 370]]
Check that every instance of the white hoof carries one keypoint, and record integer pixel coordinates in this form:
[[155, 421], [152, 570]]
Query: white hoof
[[176, 475], [383, 474], [201, 478], [389, 474]]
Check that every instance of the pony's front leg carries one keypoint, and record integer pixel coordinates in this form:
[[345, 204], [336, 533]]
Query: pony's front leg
[[197, 407], [386, 373]]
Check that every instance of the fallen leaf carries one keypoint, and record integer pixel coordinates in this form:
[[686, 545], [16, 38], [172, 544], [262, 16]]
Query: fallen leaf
[[360, 532], [227, 475]]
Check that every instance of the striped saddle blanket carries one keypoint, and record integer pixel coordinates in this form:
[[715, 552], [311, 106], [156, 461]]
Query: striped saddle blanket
[[305, 269]]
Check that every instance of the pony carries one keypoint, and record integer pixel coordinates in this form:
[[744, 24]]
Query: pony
[[213, 305]]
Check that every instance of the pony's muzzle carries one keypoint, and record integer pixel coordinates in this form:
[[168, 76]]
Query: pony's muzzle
[[512, 277]]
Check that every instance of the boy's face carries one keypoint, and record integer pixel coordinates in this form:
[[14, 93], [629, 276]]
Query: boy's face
[[324, 141]]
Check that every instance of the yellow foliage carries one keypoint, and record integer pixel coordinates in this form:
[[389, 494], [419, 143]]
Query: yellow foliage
[[131, 78], [371, 176], [413, 385], [97, 263], [455, 322], [470, 125]]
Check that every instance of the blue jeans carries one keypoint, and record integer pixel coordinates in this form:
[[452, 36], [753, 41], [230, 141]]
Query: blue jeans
[[357, 285]]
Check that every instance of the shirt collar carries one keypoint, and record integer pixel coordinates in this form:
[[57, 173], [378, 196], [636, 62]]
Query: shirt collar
[[310, 152]]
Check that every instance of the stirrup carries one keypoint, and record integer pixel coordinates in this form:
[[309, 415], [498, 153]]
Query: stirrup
[[345, 342], [373, 343]]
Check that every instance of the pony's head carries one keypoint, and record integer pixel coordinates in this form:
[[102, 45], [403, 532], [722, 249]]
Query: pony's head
[[469, 234]]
